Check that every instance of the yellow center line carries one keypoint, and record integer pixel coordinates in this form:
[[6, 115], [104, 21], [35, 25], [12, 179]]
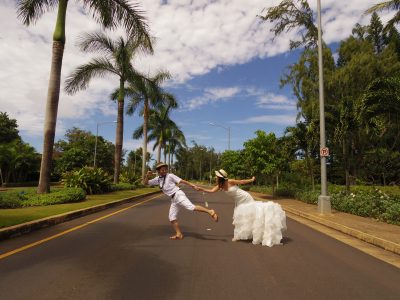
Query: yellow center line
[[4, 255]]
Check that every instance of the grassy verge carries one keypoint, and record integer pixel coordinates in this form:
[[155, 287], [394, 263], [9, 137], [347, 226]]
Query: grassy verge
[[10, 217]]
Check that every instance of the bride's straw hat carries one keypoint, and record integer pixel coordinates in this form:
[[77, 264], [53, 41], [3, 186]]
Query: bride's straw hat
[[221, 173]]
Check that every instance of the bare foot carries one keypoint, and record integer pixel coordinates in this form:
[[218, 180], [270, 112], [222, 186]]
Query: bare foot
[[176, 237], [214, 215]]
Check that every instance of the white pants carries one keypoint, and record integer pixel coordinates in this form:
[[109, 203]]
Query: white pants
[[179, 200]]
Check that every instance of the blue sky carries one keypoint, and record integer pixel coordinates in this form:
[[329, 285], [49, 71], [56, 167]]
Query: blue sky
[[226, 68]]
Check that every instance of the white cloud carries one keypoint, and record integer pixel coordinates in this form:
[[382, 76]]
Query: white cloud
[[276, 102], [193, 37], [211, 95], [269, 119]]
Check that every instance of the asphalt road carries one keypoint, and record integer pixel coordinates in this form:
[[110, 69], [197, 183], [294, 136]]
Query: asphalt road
[[129, 256]]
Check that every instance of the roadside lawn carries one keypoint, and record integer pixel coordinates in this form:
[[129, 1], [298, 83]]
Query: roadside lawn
[[10, 217]]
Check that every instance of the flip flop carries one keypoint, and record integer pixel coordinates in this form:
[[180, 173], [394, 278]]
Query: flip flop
[[214, 216], [176, 237]]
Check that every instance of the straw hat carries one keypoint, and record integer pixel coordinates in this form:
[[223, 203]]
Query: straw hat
[[161, 164], [221, 173]]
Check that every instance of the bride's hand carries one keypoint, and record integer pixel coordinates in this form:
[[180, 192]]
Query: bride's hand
[[253, 178]]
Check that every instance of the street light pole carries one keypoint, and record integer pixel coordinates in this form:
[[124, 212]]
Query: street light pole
[[226, 128], [95, 144], [324, 202]]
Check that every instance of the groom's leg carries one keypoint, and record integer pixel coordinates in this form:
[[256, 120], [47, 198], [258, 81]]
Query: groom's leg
[[173, 218]]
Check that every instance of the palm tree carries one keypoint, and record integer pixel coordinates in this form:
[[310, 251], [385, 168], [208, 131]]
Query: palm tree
[[116, 60], [158, 125], [148, 94], [109, 14], [176, 140], [387, 5]]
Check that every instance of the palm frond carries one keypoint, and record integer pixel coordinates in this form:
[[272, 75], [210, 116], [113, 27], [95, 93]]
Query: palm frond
[[96, 42], [114, 13], [81, 77], [386, 5], [135, 101], [29, 11], [138, 133]]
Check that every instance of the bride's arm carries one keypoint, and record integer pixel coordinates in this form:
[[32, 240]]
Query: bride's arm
[[242, 181], [213, 190]]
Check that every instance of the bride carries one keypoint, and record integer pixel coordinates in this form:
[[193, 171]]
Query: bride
[[261, 221]]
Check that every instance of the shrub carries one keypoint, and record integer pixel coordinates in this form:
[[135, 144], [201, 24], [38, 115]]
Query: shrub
[[92, 180], [14, 199], [122, 187], [66, 195], [128, 177]]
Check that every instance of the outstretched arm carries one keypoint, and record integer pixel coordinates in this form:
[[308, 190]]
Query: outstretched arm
[[242, 181], [189, 184], [213, 190]]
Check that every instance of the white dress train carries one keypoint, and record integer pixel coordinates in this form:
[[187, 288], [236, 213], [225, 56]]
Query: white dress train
[[263, 222]]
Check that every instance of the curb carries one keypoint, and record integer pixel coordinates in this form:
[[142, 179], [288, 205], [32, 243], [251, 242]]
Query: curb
[[371, 239], [20, 229], [374, 240]]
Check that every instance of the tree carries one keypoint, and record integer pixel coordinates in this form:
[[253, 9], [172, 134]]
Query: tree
[[19, 162], [109, 14], [116, 60], [234, 162], [375, 33], [176, 140], [306, 145], [290, 14], [8, 128], [387, 5], [147, 94], [159, 124], [77, 151], [264, 157]]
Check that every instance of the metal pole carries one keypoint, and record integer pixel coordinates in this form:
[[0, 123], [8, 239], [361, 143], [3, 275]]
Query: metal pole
[[95, 146], [324, 203]]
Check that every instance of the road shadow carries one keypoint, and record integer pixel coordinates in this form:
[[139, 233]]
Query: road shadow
[[206, 237]]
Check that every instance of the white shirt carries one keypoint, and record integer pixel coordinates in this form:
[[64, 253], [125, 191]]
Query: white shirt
[[170, 186]]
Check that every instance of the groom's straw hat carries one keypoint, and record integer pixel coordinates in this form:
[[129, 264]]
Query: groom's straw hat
[[161, 164], [221, 173]]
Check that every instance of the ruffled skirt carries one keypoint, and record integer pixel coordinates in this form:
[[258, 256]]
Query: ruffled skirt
[[263, 222]]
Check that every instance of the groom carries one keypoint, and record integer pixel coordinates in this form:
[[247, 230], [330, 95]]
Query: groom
[[168, 183]]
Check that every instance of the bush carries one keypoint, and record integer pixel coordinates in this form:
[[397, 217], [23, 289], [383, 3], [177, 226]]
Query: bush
[[24, 184], [66, 195], [15, 199], [363, 201], [122, 187], [92, 180], [11, 199]]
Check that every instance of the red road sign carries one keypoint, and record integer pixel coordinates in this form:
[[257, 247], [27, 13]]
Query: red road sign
[[324, 152]]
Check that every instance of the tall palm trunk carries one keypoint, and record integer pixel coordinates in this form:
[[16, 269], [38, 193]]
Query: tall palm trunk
[[53, 95], [159, 151], [119, 132], [169, 154], [145, 120]]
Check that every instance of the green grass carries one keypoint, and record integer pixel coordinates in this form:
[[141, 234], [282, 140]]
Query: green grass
[[10, 217]]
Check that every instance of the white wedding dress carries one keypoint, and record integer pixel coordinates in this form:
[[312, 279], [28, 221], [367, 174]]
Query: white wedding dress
[[263, 222]]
